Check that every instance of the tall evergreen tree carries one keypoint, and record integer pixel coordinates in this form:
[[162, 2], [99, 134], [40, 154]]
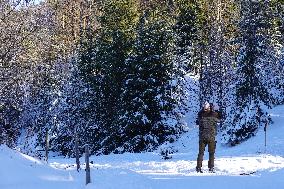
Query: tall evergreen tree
[[38, 119], [217, 50], [276, 49], [75, 123], [186, 35], [105, 63], [150, 113], [253, 95]]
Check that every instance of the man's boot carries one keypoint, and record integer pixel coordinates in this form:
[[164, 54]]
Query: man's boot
[[198, 170], [212, 170]]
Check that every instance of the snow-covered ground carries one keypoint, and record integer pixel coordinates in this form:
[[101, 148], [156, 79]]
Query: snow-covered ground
[[248, 165]]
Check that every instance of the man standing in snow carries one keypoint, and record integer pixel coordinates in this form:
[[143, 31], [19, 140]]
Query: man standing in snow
[[207, 120]]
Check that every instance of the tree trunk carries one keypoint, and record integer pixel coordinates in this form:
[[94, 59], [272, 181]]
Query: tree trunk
[[77, 151], [88, 172], [46, 145]]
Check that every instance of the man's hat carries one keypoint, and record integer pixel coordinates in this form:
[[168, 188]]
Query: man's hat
[[206, 105]]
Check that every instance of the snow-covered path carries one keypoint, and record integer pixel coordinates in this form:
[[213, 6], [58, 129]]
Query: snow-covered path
[[249, 165], [148, 171]]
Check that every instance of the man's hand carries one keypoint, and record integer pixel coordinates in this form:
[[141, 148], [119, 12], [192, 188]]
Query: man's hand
[[197, 121]]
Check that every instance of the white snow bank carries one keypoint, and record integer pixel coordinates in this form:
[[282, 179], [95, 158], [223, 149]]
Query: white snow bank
[[19, 171]]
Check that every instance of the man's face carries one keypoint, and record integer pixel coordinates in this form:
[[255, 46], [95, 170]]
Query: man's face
[[207, 109]]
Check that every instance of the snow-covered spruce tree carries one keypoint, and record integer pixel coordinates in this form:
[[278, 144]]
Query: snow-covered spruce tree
[[16, 29], [150, 113], [103, 64], [74, 120], [12, 77], [254, 65], [187, 53], [11, 102], [216, 50], [186, 36], [38, 119], [276, 41]]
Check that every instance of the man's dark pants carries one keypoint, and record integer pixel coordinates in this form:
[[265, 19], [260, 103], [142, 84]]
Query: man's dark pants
[[211, 149]]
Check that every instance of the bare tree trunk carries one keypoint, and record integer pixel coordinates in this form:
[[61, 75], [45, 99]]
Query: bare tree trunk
[[46, 145], [201, 84], [77, 150], [220, 44], [88, 172]]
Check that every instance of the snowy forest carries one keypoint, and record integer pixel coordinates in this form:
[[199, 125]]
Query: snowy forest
[[116, 74]]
